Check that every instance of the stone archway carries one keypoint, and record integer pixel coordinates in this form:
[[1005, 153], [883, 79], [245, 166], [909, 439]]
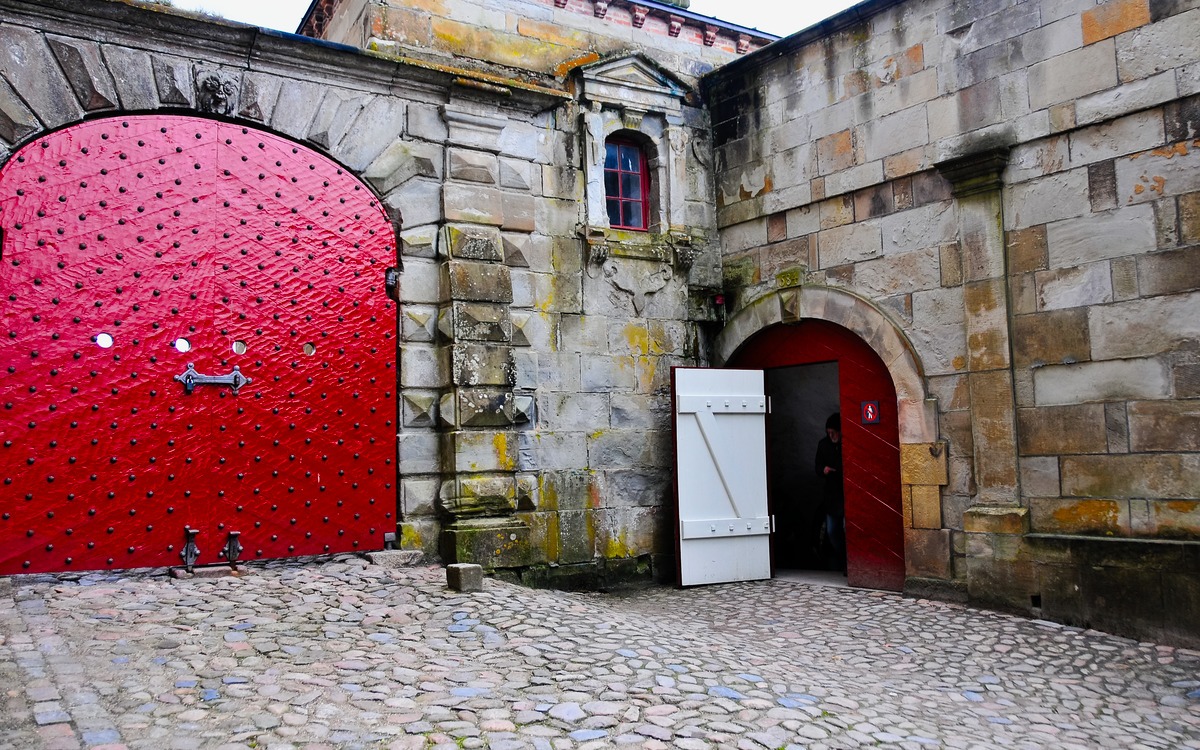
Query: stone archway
[[922, 455]]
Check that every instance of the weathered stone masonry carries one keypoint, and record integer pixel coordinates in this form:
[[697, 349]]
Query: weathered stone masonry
[[1001, 199], [535, 342], [1009, 186]]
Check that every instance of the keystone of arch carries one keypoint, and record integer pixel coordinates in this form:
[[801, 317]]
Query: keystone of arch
[[917, 412]]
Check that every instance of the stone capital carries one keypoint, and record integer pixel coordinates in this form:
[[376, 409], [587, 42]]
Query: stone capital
[[975, 173]]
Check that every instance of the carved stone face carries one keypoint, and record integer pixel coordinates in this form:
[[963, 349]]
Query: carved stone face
[[215, 93]]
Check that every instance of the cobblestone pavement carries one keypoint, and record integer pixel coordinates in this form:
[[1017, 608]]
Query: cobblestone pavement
[[343, 654]]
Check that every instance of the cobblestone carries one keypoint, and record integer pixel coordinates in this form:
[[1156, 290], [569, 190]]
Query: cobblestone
[[337, 653]]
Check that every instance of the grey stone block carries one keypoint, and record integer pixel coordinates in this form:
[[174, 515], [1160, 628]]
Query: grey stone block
[[400, 162], [86, 72], [482, 364], [849, 244], [173, 80], [1072, 75], [477, 407], [397, 558], [425, 122], [1146, 327], [474, 166], [258, 96], [133, 75], [1125, 231], [1079, 286], [1126, 135], [1114, 380], [419, 408], [335, 114], [474, 204], [422, 366], [377, 125], [1151, 175], [892, 134], [464, 577], [479, 282], [16, 121], [473, 126], [27, 64], [474, 321], [473, 242], [419, 202], [296, 107], [1057, 196], [419, 452], [418, 495], [1130, 97], [1151, 49], [516, 174], [419, 283]]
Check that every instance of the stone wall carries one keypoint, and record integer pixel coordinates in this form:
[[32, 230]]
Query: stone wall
[[1013, 187], [546, 38]]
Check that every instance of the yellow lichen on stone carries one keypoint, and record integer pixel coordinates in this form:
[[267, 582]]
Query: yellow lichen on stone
[[504, 459], [617, 547], [410, 538]]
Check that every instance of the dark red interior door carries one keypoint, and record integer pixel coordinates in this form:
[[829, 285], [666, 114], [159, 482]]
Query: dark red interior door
[[871, 453], [136, 247]]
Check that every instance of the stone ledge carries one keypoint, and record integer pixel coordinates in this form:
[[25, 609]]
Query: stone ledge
[[935, 588], [1178, 555], [1113, 539], [996, 520]]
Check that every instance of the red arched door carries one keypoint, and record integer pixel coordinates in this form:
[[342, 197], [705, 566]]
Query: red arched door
[[138, 250], [871, 453]]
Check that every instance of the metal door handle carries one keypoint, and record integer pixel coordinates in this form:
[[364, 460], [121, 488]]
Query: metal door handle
[[190, 379]]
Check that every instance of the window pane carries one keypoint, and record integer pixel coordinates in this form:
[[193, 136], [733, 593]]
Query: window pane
[[610, 184], [610, 156], [614, 213], [631, 159], [631, 186], [632, 214]]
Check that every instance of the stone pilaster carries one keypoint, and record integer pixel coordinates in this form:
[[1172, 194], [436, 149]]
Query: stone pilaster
[[478, 446], [976, 181]]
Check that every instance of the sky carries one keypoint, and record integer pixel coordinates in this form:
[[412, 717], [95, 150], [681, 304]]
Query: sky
[[780, 17]]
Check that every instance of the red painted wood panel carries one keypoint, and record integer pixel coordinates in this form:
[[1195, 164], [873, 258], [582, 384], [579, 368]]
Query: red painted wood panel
[[152, 229], [871, 453]]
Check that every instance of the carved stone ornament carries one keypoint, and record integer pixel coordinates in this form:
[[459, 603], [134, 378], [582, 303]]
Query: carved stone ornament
[[639, 15], [637, 278], [710, 35], [216, 92], [601, 8], [686, 251], [597, 252], [674, 25]]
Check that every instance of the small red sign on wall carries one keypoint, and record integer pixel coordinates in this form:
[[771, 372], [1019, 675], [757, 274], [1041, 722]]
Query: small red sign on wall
[[870, 412]]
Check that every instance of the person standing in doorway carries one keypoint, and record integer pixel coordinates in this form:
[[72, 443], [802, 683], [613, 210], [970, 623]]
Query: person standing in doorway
[[829, 469]]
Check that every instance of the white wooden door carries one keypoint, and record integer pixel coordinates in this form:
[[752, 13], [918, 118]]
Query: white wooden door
[[721, 475]]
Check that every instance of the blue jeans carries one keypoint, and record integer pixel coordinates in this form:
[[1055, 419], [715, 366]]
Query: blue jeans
[[835, 530]]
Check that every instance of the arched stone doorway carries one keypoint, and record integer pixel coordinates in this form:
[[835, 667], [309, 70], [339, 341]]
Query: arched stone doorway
[[871, 452], [922, 458]]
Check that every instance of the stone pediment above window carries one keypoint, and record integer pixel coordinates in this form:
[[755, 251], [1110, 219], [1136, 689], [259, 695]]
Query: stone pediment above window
[[633, 81]]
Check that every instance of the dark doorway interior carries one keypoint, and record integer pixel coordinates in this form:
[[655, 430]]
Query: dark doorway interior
[[802, 398]]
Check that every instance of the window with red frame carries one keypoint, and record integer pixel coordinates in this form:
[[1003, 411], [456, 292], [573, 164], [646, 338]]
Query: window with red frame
[[626, 185]]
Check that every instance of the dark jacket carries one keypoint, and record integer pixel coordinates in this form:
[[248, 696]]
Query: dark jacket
[[829, 453]]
